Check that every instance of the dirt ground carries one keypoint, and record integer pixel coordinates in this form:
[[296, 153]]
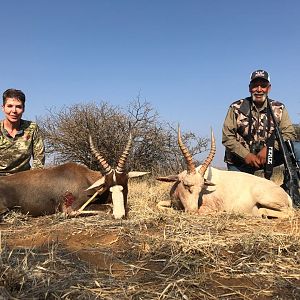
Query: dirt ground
[[153, 254], [164, 256], [93, 244]]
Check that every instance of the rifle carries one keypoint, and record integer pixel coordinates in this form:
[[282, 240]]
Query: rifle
[[291, 166]]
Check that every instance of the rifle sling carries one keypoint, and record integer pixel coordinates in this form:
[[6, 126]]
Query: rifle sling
[[270, 147], [270, 156]]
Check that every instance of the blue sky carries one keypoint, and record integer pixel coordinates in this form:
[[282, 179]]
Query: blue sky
[[190, 59]]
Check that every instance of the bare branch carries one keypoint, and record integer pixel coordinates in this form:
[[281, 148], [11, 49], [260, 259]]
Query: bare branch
[[155, 142]]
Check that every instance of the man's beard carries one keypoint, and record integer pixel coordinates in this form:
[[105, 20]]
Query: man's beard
[[264, 97]]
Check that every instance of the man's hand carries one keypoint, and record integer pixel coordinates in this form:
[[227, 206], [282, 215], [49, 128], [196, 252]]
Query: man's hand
[[252, 160], [262, 156]]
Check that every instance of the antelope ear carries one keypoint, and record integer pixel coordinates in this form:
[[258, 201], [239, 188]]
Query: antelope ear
[[208, 183], [170, 178], [133, 174], [98, 183]]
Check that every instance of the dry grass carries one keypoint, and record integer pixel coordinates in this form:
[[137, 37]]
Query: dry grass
[[152, 255]]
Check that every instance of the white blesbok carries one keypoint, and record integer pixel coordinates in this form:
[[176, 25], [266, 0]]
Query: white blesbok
[[206, 190]]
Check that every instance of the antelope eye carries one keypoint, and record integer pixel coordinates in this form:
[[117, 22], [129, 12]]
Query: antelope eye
[[188, 187]]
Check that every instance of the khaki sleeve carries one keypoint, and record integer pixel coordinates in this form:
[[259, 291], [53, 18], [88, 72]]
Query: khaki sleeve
[[229, 135], [38, 152], [286, 126]]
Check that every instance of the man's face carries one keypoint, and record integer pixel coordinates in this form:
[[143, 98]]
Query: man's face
[[13, 109], [259, 89]]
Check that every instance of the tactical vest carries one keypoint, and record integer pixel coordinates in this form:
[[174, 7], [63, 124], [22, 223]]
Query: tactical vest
[[261, 127]]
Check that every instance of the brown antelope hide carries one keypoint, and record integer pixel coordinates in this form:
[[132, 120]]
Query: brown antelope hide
[[207, 190], [66, 188]]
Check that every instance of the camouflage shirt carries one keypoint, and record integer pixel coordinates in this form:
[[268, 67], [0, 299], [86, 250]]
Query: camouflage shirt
[[235, 135], [16, 153]]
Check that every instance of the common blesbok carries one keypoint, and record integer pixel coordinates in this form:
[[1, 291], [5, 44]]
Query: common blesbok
[[206, 190], [68, 187]]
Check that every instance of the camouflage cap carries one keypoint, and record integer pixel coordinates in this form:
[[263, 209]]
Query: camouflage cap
[[260, 74]]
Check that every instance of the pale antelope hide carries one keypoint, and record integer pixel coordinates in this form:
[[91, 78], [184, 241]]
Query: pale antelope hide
[[206, 190]]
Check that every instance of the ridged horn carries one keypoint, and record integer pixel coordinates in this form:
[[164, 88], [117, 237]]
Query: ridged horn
[[188, 157], [99, 157], [123, 157], [210, 155]]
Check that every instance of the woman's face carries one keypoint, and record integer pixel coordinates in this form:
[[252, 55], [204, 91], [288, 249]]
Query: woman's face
[[13, 110]]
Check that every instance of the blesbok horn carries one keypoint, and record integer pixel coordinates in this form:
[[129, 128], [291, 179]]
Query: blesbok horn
[[188, 157], [99, 157], [123, 157], [210, 155]]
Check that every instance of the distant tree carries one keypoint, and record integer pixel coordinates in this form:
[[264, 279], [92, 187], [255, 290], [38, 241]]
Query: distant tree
[[154, 148], [297, 129]]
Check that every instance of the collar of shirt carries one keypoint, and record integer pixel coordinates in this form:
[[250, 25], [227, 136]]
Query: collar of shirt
[[259, 109], [5, 132]]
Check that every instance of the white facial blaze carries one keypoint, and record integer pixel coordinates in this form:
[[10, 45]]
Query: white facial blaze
[[118, 201]]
